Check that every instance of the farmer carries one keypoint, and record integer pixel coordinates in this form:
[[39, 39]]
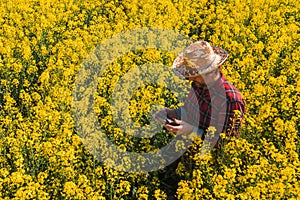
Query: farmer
[[212, 100]]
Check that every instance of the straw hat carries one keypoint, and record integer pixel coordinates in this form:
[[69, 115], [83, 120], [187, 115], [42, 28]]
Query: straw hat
[[197, 59]]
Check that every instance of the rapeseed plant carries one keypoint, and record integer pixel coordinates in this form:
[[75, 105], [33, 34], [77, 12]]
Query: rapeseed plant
[[42, 47]]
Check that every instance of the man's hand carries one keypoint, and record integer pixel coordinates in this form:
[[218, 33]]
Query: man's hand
[[183, 128], [161, 115]]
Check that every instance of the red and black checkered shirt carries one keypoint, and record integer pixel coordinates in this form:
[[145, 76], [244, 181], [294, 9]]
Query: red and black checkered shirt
[[214, 105]]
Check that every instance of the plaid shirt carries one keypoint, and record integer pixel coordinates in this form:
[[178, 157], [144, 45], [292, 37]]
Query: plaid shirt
[[213, 106]]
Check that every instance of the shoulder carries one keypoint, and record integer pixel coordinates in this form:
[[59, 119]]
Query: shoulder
[[234, 100], [232, 93]]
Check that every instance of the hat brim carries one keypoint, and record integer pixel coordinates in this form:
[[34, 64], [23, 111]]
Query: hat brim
[[222, 53], [184, 71]]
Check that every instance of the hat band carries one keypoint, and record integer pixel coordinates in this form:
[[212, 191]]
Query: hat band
[[204, 68], [208, 66], [185, 71]]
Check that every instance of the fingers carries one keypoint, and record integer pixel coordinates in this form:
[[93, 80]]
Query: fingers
[[174, 129], [183, 128], [161, 116], [177, 121]]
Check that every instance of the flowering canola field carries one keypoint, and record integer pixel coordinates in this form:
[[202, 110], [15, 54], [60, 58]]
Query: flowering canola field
[[42, 46]]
